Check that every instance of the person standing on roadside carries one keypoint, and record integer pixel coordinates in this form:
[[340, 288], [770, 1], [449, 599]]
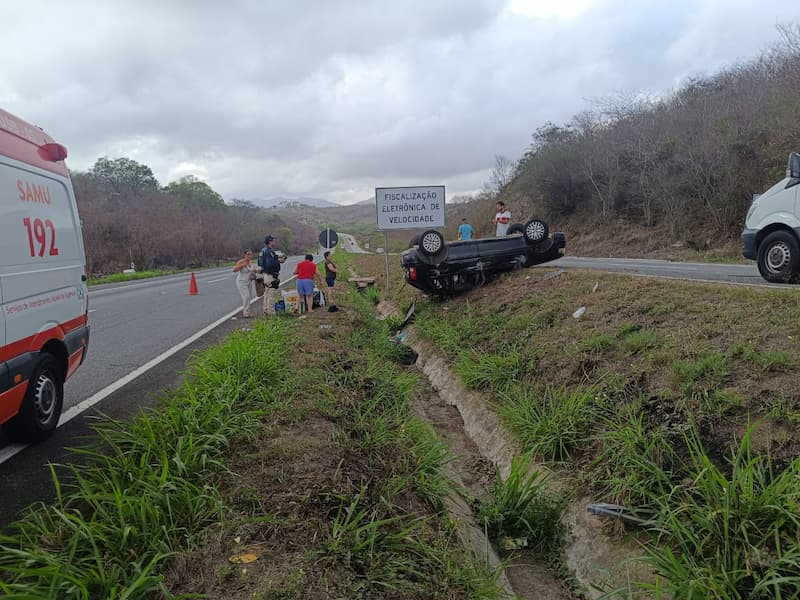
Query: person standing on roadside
[[330, 279], [270, 265], [306, 272], [502, 218], [464, 230], [245, 274]]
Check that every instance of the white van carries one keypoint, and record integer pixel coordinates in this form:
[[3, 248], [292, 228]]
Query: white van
[[771, 234], [43, 297]]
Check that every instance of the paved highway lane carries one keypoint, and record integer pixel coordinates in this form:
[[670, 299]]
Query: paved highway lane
[[726, 273]]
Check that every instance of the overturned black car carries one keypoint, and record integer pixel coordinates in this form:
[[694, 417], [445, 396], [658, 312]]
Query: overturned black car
[[444, 269]]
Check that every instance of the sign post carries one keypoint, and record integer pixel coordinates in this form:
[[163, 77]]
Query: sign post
[[408, 208]]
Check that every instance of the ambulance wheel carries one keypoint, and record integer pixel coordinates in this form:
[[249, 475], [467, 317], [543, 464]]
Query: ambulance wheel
[[41, 407]]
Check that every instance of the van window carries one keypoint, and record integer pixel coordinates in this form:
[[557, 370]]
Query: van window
[[36, 219]]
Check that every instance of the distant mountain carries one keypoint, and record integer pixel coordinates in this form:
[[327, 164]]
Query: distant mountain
[[282, 202]]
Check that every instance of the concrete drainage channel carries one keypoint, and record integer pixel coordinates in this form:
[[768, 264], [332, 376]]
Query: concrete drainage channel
[[481, 443]]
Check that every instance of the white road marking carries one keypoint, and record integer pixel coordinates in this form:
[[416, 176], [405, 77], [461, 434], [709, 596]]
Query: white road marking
[[13, 449], [216, 280], [91, 310]]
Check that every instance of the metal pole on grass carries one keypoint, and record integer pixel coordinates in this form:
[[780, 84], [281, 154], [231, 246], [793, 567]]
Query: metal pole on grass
[[386, 255]]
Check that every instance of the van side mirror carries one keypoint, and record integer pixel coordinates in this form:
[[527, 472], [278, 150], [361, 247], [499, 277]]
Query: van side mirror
[[793, 169]]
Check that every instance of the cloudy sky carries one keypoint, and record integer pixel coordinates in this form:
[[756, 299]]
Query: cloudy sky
[[332, 98]]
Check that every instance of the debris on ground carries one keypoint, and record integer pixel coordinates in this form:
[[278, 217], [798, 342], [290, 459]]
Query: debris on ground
[[553, 275], [579, 313]]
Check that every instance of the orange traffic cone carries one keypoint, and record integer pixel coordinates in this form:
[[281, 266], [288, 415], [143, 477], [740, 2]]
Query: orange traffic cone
[[193, 286]]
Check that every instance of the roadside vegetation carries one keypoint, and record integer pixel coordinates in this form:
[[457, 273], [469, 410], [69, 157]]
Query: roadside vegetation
[[676, 400], [289, 465]]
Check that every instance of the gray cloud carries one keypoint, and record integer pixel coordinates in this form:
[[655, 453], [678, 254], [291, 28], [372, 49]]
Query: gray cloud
[[332, 98]]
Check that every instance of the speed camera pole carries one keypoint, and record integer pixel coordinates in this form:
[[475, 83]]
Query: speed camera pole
[[386, 256]]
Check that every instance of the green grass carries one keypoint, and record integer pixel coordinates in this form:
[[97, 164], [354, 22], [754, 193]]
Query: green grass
[[118, 277], [496, 372], [707, 371], [147, 488], [555, 424], [729, 533], [635, 457], [521, 506]]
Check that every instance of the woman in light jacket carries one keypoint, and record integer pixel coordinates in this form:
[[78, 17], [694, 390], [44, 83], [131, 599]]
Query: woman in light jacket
[[245, 273]]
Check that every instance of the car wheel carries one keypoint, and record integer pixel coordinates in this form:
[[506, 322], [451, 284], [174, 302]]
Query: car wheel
[[779, 257], [41, 407], [414, 241], [535, 231], [431, 242], [516, 228]]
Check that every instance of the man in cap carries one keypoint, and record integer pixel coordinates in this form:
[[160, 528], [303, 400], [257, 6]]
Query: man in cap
[[270, 264]]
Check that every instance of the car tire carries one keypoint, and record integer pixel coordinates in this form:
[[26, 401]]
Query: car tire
[[516, 228], [41, 407], [431, 242], [535, 231], [414, 241], [779, 257]]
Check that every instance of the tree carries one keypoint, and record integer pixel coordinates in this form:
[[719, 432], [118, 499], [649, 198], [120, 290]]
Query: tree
[[502, 174], [125, 174], [192, 191]]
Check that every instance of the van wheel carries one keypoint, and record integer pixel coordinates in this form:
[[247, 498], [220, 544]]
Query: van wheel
[[41, 408], [779, 257], [515, 228]]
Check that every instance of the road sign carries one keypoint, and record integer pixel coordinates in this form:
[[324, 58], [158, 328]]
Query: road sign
[[417, 207], [328, 238]]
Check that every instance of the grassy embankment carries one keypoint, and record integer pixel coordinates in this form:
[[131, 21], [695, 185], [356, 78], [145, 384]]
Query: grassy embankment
[[676, 399], [289, 465]]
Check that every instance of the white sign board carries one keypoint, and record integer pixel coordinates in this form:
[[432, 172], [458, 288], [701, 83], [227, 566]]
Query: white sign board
[[410, 207]]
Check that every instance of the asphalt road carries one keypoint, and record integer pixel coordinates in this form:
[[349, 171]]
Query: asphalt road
[[727, 273]]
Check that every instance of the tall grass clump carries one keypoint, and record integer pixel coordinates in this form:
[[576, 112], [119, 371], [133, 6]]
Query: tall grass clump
[[373, 295], [729, 532], [520, 506], [147, 488], [635, 458], [496, 372], [553, 425]]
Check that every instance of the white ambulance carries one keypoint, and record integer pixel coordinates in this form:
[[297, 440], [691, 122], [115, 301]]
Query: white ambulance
[[44, 331]]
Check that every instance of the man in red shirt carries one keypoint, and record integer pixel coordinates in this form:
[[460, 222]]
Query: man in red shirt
[[306, 272]]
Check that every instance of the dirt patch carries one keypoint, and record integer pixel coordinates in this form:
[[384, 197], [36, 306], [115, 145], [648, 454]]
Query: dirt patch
[[279, 492]]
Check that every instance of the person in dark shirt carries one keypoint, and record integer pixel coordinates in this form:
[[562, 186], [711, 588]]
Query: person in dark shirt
[[330, 279], [270, 263]]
